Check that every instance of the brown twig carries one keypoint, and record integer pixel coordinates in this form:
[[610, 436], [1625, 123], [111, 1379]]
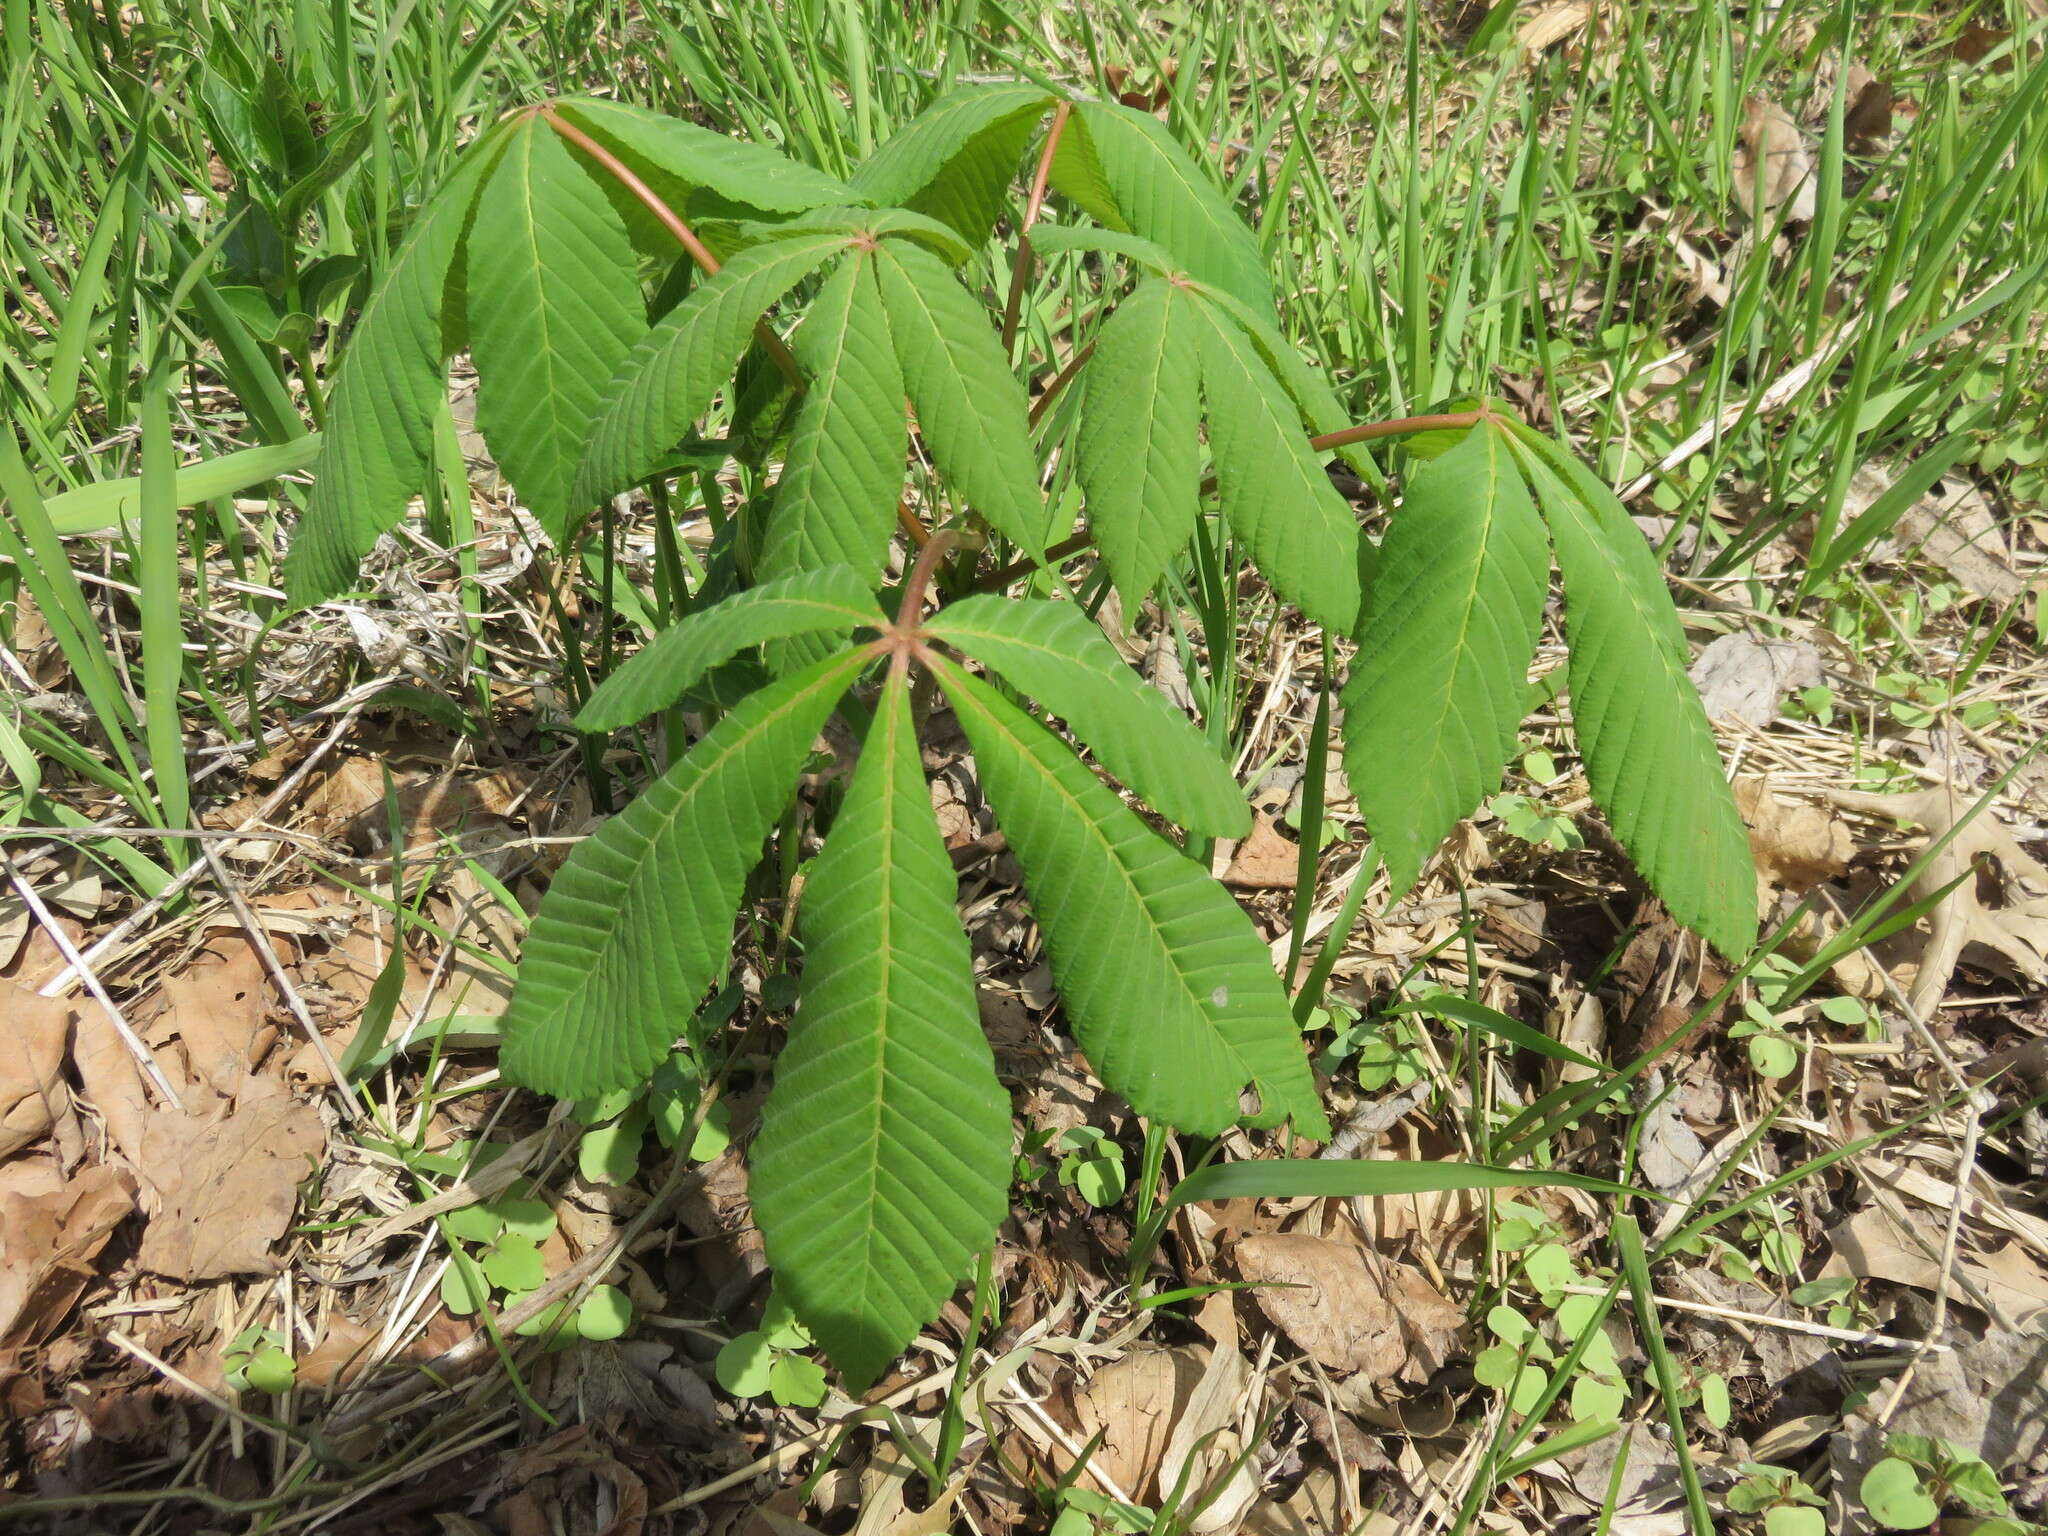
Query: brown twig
[[1020, 269]]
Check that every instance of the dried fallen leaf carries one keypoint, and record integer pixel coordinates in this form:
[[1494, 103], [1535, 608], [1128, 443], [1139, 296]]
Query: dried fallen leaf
[[1771, 162], [225, 1181], [32, 1088], [218, 1005], [1745, 678], [1134, 1402], [1349, 1309], [1203, 1444], [47, 1246], [1796, 846], [1868, 115], [1874, 1244], [1264, 861]]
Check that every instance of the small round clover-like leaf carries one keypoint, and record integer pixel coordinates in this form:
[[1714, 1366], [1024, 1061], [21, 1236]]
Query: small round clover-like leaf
[[514, 1264], [270, 1370], [1773, 1056], [475, 1224], [1791, 1520], [796, 1381], [463, 1291], [1714, 1399], [780, 1327], [525, 1215], [743, 1365], [1891, 1491], [1100, 1180], [1549, 1268], [605, 1314], [1594, 1399], [1531, 1382], [1495, 1366], [610, 1154]]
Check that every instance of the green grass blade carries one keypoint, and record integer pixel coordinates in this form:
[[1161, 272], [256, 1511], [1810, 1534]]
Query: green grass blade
[[639, 920], [1170, 992], [162, 634], [107, 505], [1055, 654], [883, 1161], [1372, 1177], [1439, 685]]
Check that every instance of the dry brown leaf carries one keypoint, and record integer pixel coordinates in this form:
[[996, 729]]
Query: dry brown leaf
[[1264, 861], [1203, 1444], [1135, 1402], [1873, 1244], [1796, 846], [110, 1077], [218, 1006], [1551, 24], [32, 1088], [47, 1246], [1771, 160], [1868, 115], [2002, 910], [225, 1181], [1350, 1309], [1745, 678]]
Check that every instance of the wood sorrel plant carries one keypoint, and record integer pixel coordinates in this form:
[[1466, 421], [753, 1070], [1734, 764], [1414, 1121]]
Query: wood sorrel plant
[[883, 1156]]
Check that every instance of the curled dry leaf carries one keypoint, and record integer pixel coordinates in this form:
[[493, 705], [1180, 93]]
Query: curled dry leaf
[[1772, 167], [1264, 861], [1134, 1403], [48, 1243], [2002, 911], [1349, 1309], [1796, 846], [32, 1089], [1874, 1244]]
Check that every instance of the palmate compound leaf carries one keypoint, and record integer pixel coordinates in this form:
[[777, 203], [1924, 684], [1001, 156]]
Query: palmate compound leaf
[[1135, 449], [554, 307], [1271, 483], [666, 382], [883, 1160], [970, 407], [956, 159], [1055, 654], [843, 471], [1127, 171], [1650, 755], [639, 920], [833, 600], [391, 382], [1439, 685], [1168, 988]]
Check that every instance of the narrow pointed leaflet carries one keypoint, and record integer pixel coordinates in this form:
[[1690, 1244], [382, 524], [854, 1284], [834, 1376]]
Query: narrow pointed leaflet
[[391, 382], [1440, 683], [1056, 654], [970, 407], [1649, 751], [666, 382], [883, 1161], [554, 307], [1167, 986], [956, 159], [639, 920], [836, 501], [751, 175], [1136, 445], [1271, 483]]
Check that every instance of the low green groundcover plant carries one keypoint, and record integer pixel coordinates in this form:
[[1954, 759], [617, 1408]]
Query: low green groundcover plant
[[613, 273]]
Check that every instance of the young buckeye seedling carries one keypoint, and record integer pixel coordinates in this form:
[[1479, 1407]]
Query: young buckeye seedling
[[882, 1161]]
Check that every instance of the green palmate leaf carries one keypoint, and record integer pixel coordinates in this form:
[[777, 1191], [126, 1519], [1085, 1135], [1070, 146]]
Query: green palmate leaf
[[391, 383], [554, 307], [1135, 448], [666, 382], [836, 501], [1649, 752], [1439, 686], [1272, 485], [674, 661], [883, 1160], [747, 174], [956, 159], [1170, 992], [1154, 188], [1047, 239], [1057, 655], [639, 921], [1309, 388], [970, 407]]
